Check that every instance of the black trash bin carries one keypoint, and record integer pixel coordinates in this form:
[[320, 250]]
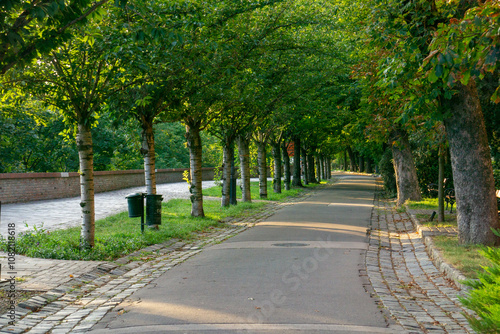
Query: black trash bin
[[153, 209], [135, 205]]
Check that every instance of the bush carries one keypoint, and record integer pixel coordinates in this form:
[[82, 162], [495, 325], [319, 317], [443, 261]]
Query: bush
[[484, 298]]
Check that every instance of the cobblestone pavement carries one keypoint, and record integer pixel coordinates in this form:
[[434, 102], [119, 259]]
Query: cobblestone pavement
[[79, 303], [403, 279], [433, 230], [403, 276]]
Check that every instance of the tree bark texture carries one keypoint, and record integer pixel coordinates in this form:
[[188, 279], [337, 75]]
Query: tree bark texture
[[148, 153], [244, 152], [261, 162], [195, 154], [311, 171], [404, 167], [286, 165], [296, 162], [304, 166], [227, 153], [277, 168], [86, 156], [472, 168]]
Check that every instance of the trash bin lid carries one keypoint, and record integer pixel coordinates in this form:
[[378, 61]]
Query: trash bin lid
[[134, 195]]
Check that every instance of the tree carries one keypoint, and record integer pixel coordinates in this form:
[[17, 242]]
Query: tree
[[76, 79], [30, 28], [450, 63]]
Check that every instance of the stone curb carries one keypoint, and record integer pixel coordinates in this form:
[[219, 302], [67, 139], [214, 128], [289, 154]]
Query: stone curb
[[437, 258], [69, 293]]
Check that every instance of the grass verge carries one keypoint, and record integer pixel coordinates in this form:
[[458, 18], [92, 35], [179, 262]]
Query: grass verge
[[119, 235], [465, 258], [431, 204], [254, 191], [449, 220]]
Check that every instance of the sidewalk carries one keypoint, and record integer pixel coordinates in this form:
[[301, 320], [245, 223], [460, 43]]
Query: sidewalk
[[390, 265]]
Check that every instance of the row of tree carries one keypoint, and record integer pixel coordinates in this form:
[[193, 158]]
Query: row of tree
[[257, 70], [357, 77]]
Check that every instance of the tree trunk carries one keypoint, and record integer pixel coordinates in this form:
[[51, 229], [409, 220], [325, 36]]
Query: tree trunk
[[318, 168], [361, 163], [345, 160], [244, 151], [304, 166], [286, 165], [323, 168], [277, 168], [352, 159], [472, 169], [86, 155], [369, 168], [441, 185], [329, 168], [296, 162], [261, 162], [195, 154], [310, 164], [404, 167], [227, 153], [148, 153]]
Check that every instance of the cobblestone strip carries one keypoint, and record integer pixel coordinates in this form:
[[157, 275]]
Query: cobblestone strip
[[77, 305], [405, 279]]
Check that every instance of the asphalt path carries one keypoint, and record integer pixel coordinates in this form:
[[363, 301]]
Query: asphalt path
[[299, 271]]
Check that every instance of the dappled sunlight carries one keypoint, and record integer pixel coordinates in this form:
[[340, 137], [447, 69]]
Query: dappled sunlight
[[351, 204], [187, 313], [341, 204], [181, 313], [324, 227]]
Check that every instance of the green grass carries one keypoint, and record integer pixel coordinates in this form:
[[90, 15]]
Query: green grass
[[119, 235], [449, 220], [254, 191], [465, 258], [424, 204]]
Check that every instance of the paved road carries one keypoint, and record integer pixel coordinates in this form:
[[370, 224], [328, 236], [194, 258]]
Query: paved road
[[299, 271], [66, 212]]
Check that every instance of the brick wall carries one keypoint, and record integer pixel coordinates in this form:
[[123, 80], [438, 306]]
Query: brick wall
[[26, 187]]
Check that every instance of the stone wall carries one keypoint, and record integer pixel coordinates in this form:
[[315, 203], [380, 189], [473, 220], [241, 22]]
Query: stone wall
[[26, 187]]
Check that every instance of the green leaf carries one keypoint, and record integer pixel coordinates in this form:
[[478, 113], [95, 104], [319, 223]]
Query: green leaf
[[439, 70], [465, 78], [432, 77]]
